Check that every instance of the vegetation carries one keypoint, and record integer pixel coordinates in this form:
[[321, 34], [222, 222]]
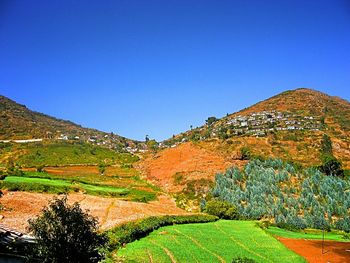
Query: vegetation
[[307, 234], [132, 231], [330, 164], [126, 187], [63, 153], [65, 233], [220, 241], [221, 209], [296, 200]]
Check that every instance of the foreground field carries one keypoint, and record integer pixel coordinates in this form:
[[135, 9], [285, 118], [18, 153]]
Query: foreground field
[[219, 241], [21, 206]]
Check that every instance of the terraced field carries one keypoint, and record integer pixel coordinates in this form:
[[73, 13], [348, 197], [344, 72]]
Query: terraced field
[[117, 182], [219, 241]]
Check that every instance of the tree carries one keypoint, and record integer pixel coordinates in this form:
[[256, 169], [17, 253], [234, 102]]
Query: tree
[[147, 138], [245, 153], [101, 168], [326, 145], [221, 209], [65, 233], [211, 120], [331, 166]]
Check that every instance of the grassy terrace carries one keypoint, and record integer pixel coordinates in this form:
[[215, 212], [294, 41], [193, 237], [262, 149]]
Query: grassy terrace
[[219, 241], [62, 181], [307, 234]]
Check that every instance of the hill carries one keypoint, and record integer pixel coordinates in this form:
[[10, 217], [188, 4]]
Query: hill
[[289, 126], [17, 122]]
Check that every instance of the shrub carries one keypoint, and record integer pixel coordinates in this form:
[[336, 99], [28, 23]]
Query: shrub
[[65, 233], [243, 260], [331, 166], [245, 153], [132, 231], [221, 209], [40, 168]]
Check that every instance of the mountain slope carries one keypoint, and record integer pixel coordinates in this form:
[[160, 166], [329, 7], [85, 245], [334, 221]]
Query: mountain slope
[[19, 122], [289, 126]]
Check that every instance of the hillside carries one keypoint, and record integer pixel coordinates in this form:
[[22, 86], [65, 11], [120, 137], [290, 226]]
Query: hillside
[[17, 122], [289, 126]]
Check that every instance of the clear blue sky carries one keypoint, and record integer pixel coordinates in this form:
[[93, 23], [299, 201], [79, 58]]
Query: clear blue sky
[[157, 67]]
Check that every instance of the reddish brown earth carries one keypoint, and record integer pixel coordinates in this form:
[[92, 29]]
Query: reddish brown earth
[[190, 160], [311, 250], [21, 206]]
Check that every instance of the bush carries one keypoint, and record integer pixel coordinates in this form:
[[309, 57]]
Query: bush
[[243, 260], [132, 231], [331, 166], [40, 168], [65, 233], [221, 209]]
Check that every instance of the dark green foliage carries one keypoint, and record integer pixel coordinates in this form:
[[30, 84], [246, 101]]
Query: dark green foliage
[[326, 145], [40, 168], [132, 231], [243, 260], [210, 120], [331, 166], [221, 209], [65, 233], [101, 168], [264, 190], [245, 153]]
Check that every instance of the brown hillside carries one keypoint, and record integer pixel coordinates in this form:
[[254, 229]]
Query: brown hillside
[[212, 153], [173, 168]]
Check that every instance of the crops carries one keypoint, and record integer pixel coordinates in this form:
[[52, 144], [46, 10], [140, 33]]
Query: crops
[[129, 188], [294, 199], [219, 241]]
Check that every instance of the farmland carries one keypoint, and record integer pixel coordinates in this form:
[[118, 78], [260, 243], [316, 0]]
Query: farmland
[[116, 182], [312, 234], [219, 241]]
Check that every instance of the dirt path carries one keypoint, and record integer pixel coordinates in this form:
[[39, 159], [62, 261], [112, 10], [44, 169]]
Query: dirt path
[[334, 252], [21, 206]]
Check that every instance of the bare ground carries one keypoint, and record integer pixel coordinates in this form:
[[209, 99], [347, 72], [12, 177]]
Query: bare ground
[[311, 250], [21, 206]]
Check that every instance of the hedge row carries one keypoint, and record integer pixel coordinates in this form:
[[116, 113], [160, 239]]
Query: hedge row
[[134, 230]]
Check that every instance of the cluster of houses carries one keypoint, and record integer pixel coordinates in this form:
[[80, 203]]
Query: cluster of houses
[[254, 124], [259, 123]]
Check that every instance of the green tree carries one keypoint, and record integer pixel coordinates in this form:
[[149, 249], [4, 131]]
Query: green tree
[[211, 120], [64, 233], [221, 209], [102, 168], [331, 166], [326, 145], [245, 153]]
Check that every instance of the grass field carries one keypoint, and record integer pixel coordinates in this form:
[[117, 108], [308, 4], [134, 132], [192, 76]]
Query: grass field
[[307, 234], [64, 180], [219, 241]]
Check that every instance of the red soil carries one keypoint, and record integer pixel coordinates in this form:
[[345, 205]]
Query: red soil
[[21, 206], [192, 161], [311, 250]]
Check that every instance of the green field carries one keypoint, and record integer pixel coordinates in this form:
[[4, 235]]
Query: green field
[[307, 234], [50, 185], [219, 241]]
